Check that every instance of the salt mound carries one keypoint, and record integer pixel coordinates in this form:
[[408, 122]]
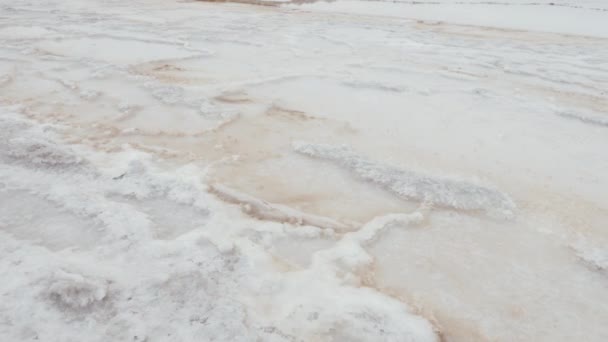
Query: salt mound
[[410, 185]]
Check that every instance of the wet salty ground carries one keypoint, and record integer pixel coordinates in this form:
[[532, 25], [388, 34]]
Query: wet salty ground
[[149, 147]]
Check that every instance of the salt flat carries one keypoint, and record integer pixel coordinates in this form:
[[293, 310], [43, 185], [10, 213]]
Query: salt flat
[[327, 171]]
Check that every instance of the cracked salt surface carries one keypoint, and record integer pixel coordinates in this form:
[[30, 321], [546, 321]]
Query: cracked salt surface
[[128, 283], [150, 189]]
